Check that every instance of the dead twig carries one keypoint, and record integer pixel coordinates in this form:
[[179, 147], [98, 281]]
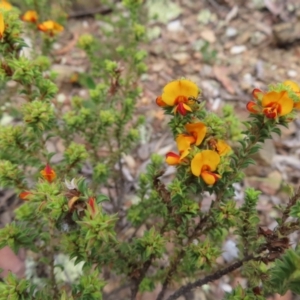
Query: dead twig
[[217, 275], [90, 13]]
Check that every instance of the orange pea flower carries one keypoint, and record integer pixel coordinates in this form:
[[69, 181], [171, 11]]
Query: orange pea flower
[[50, 27], [30, 16], [2, 25], [184, 142], [295, 88], [173, 159], [4, 5], [220, 146], [178, 94], [48, 173], [204, 164], [271, 104], [24, 195], [276, 104], [197, 130]]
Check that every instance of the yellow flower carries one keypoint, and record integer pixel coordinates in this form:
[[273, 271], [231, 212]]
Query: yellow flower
[[184, 142], [276, 104], [30, 16], [2, 25], [220, 146], [179, 93], [197, 130], [295, 88], [4, 5], [204, 164], [50, 27]]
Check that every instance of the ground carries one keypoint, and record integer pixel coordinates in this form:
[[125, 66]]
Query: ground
[[228, 48]]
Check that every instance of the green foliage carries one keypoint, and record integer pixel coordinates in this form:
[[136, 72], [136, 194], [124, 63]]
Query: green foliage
[[89, 287], [12, 288], [150, 245], [248, 222], [241, 294], [285, 274]]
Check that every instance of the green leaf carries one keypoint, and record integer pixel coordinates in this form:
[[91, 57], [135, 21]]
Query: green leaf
[[254, 149], [102, 198], [276, 130]]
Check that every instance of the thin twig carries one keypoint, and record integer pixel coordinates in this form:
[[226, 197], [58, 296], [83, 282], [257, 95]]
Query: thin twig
[[89, 13], [135, 286], [174, 264], [52, 261], [217, 275]]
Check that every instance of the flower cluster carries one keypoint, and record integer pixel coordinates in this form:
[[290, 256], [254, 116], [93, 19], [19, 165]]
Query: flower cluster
[[277, 102], [197, 144], [49, 27]]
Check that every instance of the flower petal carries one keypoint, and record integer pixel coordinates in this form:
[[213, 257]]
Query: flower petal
[[172, 159], [282, 98], [252, 107], [186, 107], [2, 25], [184, 144], [196, 164], [30, 16], [50, 27], [211, 159], [222, 147], [293, 85], [210, 178], [159, 102], [296, 89], [182, 87], [5, 5], [257, 94], [181, 109], [198, 130]]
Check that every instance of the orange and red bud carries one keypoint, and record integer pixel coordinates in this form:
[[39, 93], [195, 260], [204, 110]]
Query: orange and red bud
[[172, 159], [252, 107], [160, 102], [48, 173], [25, 195]]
